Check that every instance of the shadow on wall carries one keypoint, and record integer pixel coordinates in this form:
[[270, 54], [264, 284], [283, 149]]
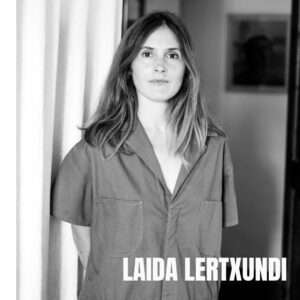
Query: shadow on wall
[[257, 204], [256, 189]]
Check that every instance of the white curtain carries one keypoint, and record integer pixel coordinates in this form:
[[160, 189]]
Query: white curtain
[[64, 52]]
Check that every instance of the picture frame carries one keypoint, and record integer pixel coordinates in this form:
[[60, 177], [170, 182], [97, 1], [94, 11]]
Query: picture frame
[[257, 53], [132, 11]]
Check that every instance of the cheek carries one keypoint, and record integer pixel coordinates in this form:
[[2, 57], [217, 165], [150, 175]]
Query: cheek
[[137, 72], [137, 79], [180, 75]]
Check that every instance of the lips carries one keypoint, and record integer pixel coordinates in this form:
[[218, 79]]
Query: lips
[[159, 81]]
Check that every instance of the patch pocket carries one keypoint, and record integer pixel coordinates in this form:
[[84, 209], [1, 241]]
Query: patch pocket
[[208, 231], [120, 225]]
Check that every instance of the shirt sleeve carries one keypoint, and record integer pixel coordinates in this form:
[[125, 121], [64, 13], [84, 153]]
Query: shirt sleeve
[[71, 197], [230, 212]]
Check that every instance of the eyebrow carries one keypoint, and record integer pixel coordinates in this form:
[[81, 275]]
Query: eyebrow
[[151, 48]]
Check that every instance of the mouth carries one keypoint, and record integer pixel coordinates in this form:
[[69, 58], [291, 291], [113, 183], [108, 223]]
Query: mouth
[[159, 81]]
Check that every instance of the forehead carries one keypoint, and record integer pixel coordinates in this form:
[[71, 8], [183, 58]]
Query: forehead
[[162, 37]]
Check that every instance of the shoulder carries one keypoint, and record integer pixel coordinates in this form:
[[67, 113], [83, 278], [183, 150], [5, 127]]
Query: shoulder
[[80, 149], [217, 136], [79, 154], [215, 130]]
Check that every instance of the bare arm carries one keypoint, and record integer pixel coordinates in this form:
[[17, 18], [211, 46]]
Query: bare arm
[[81, 236]]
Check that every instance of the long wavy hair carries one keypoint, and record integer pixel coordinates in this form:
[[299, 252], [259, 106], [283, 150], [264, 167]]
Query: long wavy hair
[[115, 117]]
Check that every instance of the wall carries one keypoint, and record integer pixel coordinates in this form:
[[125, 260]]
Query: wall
[[171, 5], [255, 124]]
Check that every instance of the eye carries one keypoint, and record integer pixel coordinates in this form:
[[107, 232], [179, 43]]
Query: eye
[[146, 54], [173, 55]]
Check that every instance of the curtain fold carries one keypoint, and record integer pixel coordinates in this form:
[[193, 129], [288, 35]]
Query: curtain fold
[[64, 51]]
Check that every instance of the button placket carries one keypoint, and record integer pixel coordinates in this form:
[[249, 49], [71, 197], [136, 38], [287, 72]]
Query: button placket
[[169, 289]]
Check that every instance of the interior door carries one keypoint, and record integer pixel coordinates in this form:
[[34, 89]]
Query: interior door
[[291, 237]]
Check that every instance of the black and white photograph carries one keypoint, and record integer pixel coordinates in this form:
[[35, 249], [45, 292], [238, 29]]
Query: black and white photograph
[[158, 150]]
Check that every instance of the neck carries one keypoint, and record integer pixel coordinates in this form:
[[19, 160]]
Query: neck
[[153, 115]]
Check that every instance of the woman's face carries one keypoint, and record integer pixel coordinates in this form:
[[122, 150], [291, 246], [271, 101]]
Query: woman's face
[[158, 69]]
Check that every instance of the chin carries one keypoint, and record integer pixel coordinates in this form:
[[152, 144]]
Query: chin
[[158, 99]]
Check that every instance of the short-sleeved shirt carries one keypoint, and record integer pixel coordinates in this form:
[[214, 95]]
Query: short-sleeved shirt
[[132, 214]]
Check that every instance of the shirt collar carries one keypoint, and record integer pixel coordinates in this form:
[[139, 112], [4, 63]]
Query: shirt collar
[[139, 142]]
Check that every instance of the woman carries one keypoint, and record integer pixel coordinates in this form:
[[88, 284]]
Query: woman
[[152, 177]]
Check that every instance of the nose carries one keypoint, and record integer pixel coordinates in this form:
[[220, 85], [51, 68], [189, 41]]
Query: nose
[[160, 65]]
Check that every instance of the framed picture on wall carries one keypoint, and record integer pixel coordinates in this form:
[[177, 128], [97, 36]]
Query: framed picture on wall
[[257, 53], [132, 10]]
